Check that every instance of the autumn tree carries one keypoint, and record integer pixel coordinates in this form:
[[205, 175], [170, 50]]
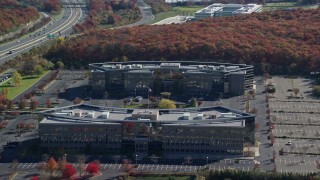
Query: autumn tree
[[52, 165], [49, 103], [68, 171], [167, 104], [296, 92], [16, 77], [92, 168], [22, 104], [34, 104]]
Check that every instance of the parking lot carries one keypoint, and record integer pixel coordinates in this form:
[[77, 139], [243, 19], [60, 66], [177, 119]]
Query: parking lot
[[295, 116]]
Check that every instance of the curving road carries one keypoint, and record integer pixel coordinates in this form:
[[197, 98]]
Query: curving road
[[146, 13], [63, 26]]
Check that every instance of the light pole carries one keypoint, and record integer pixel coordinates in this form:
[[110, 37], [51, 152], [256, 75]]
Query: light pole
[[149, 90], [135, 92], [65, 157], [207, 160], [136, 158]]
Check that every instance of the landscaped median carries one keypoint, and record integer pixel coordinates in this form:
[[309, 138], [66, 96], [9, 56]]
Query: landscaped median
[[26, 82]]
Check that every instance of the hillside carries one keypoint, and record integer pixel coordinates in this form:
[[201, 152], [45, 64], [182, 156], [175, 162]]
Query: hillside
[[281, 42], [13, 15]]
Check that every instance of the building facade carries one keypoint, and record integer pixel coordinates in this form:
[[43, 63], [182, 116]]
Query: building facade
[[180, 78], [198, 132], [220, 10]]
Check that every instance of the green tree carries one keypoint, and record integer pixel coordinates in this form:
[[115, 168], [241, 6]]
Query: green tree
[[59, 64], [16, 76], [167, 104], [38, 70]]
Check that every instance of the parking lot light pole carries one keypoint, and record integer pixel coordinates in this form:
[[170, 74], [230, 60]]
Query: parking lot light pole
[[136, 159], [135, 92], [207, 160], [65, 157]]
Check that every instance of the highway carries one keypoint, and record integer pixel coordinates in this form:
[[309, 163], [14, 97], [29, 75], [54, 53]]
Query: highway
[[146, 13], [58, 27]]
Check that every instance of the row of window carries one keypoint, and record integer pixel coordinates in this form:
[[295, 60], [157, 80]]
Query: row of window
[[203, 151]]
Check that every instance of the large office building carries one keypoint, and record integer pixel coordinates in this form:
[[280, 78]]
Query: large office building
[[198, 79], [219, 10], [197, 132]]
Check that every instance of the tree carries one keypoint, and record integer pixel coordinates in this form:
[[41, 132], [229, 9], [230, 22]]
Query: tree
[[254, 110], [296, 92], [92, 168], [166, 104], [59, 64], [16, 77], [52, 165], [68, 171], [34, 104], [22, 104], [38, 70], [81, 160], [49, 103]]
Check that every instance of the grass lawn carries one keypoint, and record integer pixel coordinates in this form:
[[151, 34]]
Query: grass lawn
[[181, 10], [26, 82], [284, 5]]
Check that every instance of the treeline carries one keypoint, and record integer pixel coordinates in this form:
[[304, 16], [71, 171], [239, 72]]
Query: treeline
[[13, 15], [157, 6], [52, 6], [280, 42], [114, 12]]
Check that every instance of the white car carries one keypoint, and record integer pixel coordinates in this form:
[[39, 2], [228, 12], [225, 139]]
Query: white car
[[289, 143]]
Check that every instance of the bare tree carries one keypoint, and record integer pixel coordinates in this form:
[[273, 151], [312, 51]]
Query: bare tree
[[81, 161]]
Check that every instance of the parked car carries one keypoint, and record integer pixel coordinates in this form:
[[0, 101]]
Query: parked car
[[138, 98]]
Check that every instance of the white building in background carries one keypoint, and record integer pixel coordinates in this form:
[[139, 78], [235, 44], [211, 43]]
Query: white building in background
[[220, 10]]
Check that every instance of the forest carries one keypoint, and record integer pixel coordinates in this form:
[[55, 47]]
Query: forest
[[13, 15], [280, 42], [51, 6], [114, 12]]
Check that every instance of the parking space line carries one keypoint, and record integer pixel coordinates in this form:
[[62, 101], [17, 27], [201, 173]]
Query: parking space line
[[19, 165], [29, 165], [24, 165], [34, 165]]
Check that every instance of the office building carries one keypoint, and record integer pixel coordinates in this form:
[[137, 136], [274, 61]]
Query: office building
[[193, 79], [169, 133], [220, 10]]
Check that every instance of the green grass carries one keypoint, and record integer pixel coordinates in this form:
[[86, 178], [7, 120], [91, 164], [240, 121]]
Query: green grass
[[284, 5], [181, 10], [26, 82]]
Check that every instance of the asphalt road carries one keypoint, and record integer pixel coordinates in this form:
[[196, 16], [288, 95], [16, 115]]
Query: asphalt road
[[64, 25], [146, 13]]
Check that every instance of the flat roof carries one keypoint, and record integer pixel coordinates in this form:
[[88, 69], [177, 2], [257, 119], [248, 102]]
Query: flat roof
[[88, 114], [146, 66]]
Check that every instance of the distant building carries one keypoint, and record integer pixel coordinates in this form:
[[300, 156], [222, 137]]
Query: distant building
[[194, 79], [213, 132], [219, 10]]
